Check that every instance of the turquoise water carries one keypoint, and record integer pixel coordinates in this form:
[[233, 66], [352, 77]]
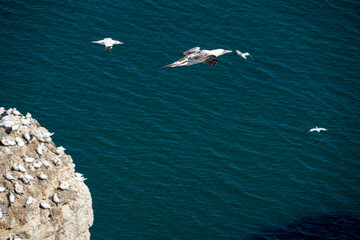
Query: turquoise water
[[197, 152]]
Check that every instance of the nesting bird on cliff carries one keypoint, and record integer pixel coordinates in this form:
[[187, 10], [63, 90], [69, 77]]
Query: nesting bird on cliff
[[29, 201], [11, 197], [64, 186], [56, 199], [9, 176], [45, 205]]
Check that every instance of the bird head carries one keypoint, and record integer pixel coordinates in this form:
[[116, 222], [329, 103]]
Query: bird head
[[117, 42], [219, 52]]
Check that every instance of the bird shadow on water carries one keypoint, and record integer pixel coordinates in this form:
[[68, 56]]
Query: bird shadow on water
[[344, 227]]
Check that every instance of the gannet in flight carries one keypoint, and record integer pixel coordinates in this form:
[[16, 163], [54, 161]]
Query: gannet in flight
[[195, 56], [244, 55], [317, 129], [108, 42]]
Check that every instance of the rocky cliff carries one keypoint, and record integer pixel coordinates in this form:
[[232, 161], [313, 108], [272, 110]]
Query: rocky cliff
[[41, 195]]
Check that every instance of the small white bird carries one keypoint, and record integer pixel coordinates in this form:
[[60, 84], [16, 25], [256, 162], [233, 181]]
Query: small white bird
[[56, 161], [37, 164], [43, 176], [29, 159], [29, 201], [2, 189], [22, 168], [25, 121], [45, 205], [15, 167], [108, 42], [80, 177], [27, 136], [16, 112], [56, 199], [64, 186], [317, 129], [244, 55], [19, 189], [45, 163], [39, 150], [26, 178], [20, 142], [60, 150], [11, 197], [9, 176], [31, 168]]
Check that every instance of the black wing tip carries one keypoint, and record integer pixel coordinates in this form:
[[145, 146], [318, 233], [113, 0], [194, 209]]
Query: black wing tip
[[211, 60]]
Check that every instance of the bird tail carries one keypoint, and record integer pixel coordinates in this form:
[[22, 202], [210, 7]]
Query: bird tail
[[170, 65]]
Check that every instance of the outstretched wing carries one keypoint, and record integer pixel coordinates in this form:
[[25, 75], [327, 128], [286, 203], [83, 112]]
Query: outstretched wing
[[250, 56], [209, 60], [99, 42], [191, 50]]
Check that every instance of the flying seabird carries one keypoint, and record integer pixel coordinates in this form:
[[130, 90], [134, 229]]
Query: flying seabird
[[244, 55], [195, 56], [317, 129], [108, 42]]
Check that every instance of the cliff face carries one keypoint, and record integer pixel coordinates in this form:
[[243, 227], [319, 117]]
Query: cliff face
[[41, 196]]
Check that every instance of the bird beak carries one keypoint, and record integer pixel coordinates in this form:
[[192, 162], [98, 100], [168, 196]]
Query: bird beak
[[227, 51], [117, 42]]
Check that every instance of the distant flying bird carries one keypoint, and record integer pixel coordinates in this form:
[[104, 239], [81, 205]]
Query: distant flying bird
[[195, 56], [108, 42], [244, 55], [317, 129]]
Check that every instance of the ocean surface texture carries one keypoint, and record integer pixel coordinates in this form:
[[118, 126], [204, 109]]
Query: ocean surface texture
[[197, 152]]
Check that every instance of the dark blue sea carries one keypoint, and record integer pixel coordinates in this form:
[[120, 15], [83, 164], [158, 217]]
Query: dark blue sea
[[197, 152]]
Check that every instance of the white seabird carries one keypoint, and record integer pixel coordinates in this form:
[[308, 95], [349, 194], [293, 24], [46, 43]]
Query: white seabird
[[43, 176], [79, 177], [108, 42], [45, 205], [195, 56], [29, 159], [60, 150], [26, 178], [20, 142], [27, 136], [8, 176], [37, 164], [19, 189], [64, 186], [244, 55], [56, 161], [29, 201], [22, 168], [56, 199], [317, 129], [45, 163], [11, 197]]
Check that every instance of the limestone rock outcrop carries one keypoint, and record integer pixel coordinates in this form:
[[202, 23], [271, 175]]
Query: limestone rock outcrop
[[41, 195]]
